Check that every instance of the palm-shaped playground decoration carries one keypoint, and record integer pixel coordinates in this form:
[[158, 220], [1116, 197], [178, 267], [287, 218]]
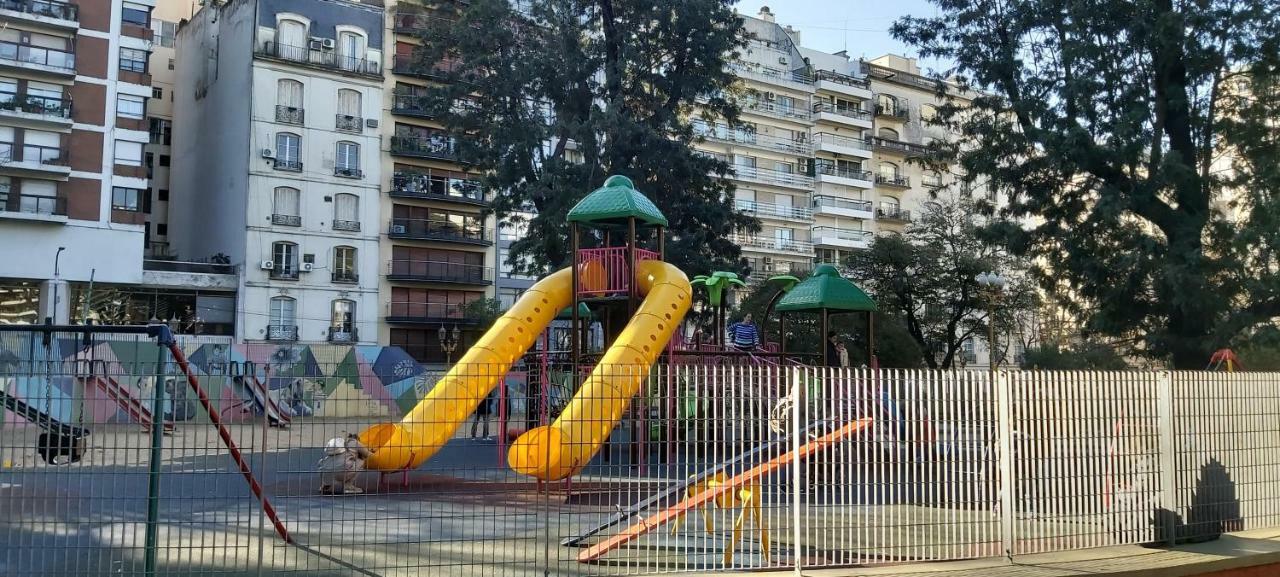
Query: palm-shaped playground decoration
[[718, 284]]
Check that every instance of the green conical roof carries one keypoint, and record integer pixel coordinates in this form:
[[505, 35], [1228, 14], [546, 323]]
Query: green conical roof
[[617, 201], [826, 289], [583, 312]]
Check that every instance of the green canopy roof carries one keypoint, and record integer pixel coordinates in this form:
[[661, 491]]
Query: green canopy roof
[[583, 312], [826, 289], [617, 201]]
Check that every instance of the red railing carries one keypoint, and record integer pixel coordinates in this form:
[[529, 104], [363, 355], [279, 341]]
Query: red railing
[[609, 275]]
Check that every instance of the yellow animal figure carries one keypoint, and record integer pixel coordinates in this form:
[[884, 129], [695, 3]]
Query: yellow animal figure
[[747, 497]]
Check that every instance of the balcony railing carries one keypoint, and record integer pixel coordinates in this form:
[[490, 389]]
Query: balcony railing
[[321, 58], [34, 153], [290, 115], [50, 106], [898, 112], [32, 204], [900, 77], [931, 180], [349, 123], [821, 201], [841, 110], [436, 271], [826, 138], [409, 105], [723, 133], [437, 147], [59, 10], [832, 169], [409, 312], [404, 22], [893, 180], [893, 213], [854, 81], [347, 225], [282, 332], [286, 220], [348, 172], [773, 210], [408, 65], [907, 148], [345, 277], [288, 164], [771, 75], [343, 334], [840, 234], [776, 110], [282, 271], [773, 243], [770, 176], [424, 185], [27, 54], [424, 229]]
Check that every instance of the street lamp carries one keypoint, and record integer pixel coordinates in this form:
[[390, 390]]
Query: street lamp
[[994, 283], [449, 342]]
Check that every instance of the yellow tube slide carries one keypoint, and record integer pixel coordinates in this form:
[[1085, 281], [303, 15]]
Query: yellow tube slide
[[563, 448], [422, 432]]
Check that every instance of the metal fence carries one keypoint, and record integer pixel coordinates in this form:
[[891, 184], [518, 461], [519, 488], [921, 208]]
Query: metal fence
[[117, 457]]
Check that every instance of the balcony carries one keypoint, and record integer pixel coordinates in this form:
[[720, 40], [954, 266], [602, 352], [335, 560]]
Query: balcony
[[343, 335], [893, 214], [320, 58], [347, 172], [723, 133], [286, 220], [284, 333], [830, 236], [39, 108], [283, 271], [59, 14], [886, 74], [899, 113], [441, 230], [773, 109], [836, 206], [832, 173], [434, 147], [768, 209], [35, 160], [287, 164], [405, 22], [790, 78], [35, 58], [931, 181], [348, 123], [32, 207], [774, 177], [428, 186], [841, 114], [290, 115], [785, 245], [407, 65], [442, 272], [344, 277], [346, 225], [828, 81], [838, 144], [907, 149], [409, 105], [407, 312], [893, 180]]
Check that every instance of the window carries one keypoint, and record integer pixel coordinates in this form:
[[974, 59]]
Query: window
[[348, 159], [285, 207], [125, 199], [133, 60], [344, 264], [350, 50], [344, 316], [161, 131], [157, 92], [162, 229], [291, 35], [165, 160], [346, 209], [129, 106], [288, 151], [886, 103], [163, 194], [128, 153], [889, 170], [928, 112], [889, 133], [139, 14], [285, 257], [349, 102], [289, 93], [283, 312], [164, 32]]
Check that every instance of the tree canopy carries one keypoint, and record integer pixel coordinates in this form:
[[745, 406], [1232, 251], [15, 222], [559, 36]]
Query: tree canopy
[[547, 100], [1136, 144]]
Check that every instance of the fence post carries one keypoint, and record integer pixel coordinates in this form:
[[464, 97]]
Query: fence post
[[1004, 436], [153, 473], [1168, 464], [798, 396]]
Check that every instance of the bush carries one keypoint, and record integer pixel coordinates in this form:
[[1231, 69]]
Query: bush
[[1088, 356]]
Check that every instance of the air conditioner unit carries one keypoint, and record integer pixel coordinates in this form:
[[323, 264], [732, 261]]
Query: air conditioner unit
[[770, 96], [266, 153], [267, 265], [782, 60], [371, 122], [315, 43], [397, 229], [307, 267], [328, 44]]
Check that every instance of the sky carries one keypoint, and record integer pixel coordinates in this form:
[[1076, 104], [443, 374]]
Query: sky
[[859, 26]]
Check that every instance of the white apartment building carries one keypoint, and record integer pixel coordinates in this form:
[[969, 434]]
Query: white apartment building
[[277, 165]]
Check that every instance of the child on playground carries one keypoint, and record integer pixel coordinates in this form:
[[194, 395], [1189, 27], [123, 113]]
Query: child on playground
[[343, 459]]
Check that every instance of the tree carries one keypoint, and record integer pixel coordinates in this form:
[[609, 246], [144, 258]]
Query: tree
[[926, 278], [1103, 123], [546, 101], [484, 311], [1084, 356]]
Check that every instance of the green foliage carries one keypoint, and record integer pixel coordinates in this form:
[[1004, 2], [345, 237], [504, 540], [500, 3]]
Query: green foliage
[[547, 101], [1260, 351], [1136, 139], [1089, 356], [928, 282], [484, 311]]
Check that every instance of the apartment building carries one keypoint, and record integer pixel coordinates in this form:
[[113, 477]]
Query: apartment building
[[439, 249], [73, 93], [276, 167]]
